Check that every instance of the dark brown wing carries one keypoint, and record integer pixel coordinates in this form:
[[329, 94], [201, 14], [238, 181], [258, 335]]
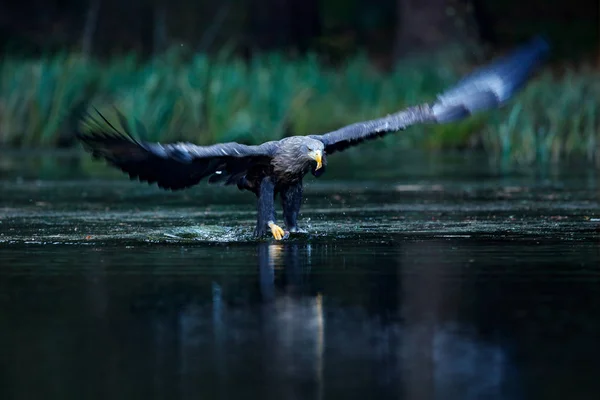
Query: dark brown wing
[[172, 166], [357, 133], [484, 89]]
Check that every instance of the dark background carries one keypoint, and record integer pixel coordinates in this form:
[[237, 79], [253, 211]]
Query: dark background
[[387, 29], [182, 67]]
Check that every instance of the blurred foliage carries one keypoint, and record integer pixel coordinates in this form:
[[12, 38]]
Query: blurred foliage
[[552, 120], [214, 99]]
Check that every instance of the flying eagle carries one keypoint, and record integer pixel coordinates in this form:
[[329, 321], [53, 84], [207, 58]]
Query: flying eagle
[[278, 167]]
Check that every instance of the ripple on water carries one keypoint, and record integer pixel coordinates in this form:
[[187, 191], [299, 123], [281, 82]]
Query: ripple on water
[[82, 212]]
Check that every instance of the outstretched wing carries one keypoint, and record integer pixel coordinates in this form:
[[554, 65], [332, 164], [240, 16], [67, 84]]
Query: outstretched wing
[[486, 88], [172, 166]]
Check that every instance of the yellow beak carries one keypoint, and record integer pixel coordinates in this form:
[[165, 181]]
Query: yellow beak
[[317, 156]]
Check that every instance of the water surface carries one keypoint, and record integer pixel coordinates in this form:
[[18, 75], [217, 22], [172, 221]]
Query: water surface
[[418, 277]]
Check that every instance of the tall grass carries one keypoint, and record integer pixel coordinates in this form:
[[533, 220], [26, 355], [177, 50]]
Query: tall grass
[[208, 100], [552, 120]]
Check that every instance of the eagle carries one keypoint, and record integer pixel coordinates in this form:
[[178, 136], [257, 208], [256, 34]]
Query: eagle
[[279, 167]]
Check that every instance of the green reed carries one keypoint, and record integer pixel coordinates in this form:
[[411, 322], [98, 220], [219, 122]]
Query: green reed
[[212, 99]]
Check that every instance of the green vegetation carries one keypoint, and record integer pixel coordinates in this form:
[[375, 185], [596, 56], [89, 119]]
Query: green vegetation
[[205, 100]]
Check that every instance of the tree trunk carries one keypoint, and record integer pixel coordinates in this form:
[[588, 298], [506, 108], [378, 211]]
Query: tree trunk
[[279, 24], [422, 25], [484, 21], [91, 21], [269, 24], [210, 34], [160, 27], [305, 23]]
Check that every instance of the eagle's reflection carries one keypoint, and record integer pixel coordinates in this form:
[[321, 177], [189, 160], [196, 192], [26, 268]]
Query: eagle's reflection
[[292, 259], [293, 319], [275, 336], [287, 340]]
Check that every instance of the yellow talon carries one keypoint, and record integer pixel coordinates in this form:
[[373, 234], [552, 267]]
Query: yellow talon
[[277, 232]]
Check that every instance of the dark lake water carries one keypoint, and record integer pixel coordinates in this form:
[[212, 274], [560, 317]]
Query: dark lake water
[[438, 277]]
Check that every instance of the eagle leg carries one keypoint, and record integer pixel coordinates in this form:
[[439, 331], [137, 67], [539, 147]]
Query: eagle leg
[[266, 211], [291, 200]]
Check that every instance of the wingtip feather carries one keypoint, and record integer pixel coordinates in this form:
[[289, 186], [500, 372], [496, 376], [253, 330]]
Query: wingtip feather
[[494, 84]]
